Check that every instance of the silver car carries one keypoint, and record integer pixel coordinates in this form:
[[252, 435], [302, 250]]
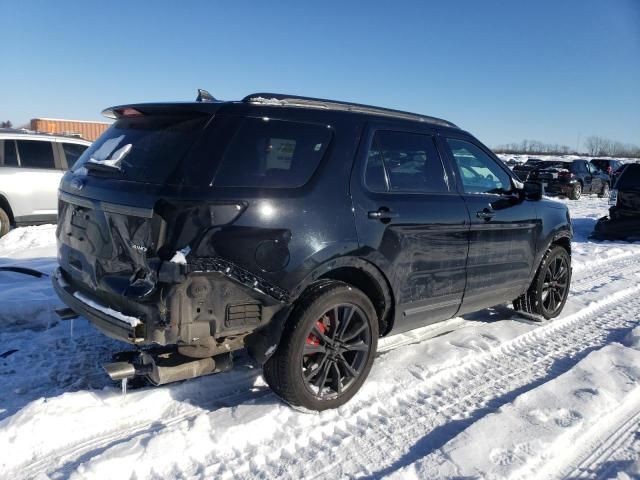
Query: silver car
[[31, 166]]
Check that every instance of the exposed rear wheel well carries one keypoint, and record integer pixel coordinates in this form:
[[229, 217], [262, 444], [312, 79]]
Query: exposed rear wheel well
[[371, 287], [564, 242], [4, 204]]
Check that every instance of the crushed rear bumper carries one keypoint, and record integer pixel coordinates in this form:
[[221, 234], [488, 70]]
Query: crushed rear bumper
[[94, 310]]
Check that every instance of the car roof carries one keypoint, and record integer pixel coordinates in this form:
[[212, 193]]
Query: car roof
[[23, 134], [283, 101]]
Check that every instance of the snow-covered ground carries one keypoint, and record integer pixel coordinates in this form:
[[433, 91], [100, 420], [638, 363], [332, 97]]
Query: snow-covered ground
[[491, 395]]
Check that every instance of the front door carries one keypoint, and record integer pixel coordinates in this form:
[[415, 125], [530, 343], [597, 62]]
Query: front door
[[504, 227], [411, 223]]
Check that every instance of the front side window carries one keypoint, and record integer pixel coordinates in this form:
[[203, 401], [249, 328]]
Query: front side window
[[72, 152], [479, 173], [36, 154], [404, 162], [271, 153], [10, 156]]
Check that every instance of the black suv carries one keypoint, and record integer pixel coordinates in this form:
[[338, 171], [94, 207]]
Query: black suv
[[623, 221], [523, 170], [300, 229], [571, 178], [608, 166]]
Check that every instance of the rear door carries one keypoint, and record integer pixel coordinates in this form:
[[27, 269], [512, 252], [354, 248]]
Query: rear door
[[411, 222], [504, 228], [37, 181]]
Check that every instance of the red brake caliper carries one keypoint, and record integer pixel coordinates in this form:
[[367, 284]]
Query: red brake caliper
[[312, 339]]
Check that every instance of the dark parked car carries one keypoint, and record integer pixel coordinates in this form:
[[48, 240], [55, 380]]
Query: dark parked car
[[299, 228], [523, 170], [615, 175], [608, 166], [571, 178], [623, 221]]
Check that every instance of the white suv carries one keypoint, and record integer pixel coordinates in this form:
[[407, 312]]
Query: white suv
[[31, 166]]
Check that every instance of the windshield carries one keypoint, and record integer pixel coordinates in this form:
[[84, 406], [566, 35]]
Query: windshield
[[146, 149]]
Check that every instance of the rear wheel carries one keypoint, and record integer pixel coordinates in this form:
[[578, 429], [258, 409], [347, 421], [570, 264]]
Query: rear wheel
[[605, 191], [5, 223], [327, 349], [550, 287], [576, 192]]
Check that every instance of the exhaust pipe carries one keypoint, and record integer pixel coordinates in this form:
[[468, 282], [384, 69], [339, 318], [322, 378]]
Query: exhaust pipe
[[168, 368], [120, 370]]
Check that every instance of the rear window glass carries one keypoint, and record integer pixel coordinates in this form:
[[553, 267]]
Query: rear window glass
[[555, 165], [272, 154], [36, 154], [145, 149]]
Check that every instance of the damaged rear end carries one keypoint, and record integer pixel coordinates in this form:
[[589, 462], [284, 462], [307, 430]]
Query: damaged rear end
[[142, 240]]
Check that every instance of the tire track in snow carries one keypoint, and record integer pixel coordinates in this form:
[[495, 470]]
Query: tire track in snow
[[613, 433], [419, 418], [67, 457], [424, 415]]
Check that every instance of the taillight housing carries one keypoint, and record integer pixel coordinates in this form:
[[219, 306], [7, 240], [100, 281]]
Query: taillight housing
[[613, 196], [566, 175]]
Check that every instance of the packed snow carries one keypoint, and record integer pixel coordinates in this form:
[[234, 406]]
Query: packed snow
[[489, 395]]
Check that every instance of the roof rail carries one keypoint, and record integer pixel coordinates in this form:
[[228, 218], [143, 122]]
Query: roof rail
[[297, 101]]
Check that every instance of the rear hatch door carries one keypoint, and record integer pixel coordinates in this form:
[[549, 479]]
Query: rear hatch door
[[109, 234]]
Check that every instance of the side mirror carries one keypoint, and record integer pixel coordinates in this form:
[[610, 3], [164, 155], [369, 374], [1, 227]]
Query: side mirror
[[533, 190]]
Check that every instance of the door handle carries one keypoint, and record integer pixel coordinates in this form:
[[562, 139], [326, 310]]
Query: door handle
[[383, 213], [486, 214]]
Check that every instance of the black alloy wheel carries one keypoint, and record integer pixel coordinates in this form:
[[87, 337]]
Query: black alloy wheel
[[327, 347], [336, 350], [550, 287], [555, 285]]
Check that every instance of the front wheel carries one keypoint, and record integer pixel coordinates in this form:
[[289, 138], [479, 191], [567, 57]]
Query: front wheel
[[327, 348], [550, 287], [5, 223], [605, 191]]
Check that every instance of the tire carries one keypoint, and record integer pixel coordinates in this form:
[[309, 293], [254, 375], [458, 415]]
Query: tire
[[576, 192], [5, 223], [314, 367], [605, 191], [553, 278]]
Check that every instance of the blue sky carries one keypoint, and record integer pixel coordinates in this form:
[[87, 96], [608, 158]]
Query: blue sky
[[505, 70]]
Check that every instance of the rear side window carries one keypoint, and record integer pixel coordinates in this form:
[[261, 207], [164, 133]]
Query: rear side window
[[35, 154], [404, 162], [72, 152], [272, 154], [10, 158], [479, 173]]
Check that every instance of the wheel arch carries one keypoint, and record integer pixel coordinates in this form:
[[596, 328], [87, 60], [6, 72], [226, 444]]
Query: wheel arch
[[4, 204], [353, 271]]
